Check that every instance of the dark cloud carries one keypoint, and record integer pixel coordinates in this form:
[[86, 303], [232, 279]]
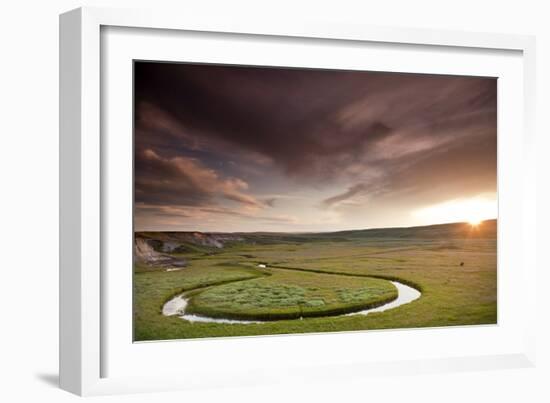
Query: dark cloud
[[210, 134], [311, 123], [182, 181], [360, 188]]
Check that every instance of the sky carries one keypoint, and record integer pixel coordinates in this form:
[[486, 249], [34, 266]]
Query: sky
[[223, 148]]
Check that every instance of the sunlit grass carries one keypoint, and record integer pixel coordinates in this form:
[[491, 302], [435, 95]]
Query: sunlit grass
[[452, 294]]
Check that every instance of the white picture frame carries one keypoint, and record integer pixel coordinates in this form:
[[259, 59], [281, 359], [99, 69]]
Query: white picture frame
[[85, 347]]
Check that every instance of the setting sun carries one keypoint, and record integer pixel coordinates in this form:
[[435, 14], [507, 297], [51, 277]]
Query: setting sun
[[474, 222], [473, 211]]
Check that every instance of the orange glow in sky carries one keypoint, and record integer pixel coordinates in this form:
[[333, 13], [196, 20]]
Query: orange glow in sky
[[472, 210]]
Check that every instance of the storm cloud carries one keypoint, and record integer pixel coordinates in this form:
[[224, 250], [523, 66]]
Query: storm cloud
[[184, 181], [214, 136]]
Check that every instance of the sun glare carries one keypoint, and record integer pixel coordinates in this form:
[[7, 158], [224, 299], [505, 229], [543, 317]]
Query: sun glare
[[472, 211], [474, 222]]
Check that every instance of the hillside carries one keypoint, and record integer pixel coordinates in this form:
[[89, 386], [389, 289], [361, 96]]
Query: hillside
[[195, 241], [486, 229]]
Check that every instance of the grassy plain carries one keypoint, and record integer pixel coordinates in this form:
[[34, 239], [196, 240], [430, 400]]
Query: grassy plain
[[320, 275], [290, 294]]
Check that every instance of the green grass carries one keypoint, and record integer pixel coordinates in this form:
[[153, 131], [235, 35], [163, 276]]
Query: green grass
[[229, 284], [288, 294], [153, 288]]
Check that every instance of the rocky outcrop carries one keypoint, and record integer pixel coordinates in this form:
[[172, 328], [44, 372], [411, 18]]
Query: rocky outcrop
[[144, 253], [210, 240], [172, 240]]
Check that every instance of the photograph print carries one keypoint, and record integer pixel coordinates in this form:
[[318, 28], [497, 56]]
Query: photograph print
[[278, 200]]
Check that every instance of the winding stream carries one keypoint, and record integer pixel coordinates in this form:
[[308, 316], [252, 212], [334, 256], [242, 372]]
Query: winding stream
[[177, 305]]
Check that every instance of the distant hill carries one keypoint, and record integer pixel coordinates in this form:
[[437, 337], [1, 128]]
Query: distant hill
[[195, 241], [485, 229]]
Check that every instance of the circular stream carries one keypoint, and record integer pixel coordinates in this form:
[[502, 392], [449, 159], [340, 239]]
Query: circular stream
[[177, 305]]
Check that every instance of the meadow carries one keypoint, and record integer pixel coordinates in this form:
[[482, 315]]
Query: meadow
[[301, 283]]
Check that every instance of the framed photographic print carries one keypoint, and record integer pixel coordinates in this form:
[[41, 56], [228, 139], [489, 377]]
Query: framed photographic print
[[261, 199], [272, 200]]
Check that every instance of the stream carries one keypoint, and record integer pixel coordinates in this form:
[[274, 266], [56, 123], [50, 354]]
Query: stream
[[177, 305]]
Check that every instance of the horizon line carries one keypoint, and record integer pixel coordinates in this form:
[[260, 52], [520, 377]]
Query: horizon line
[[317, 232]]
